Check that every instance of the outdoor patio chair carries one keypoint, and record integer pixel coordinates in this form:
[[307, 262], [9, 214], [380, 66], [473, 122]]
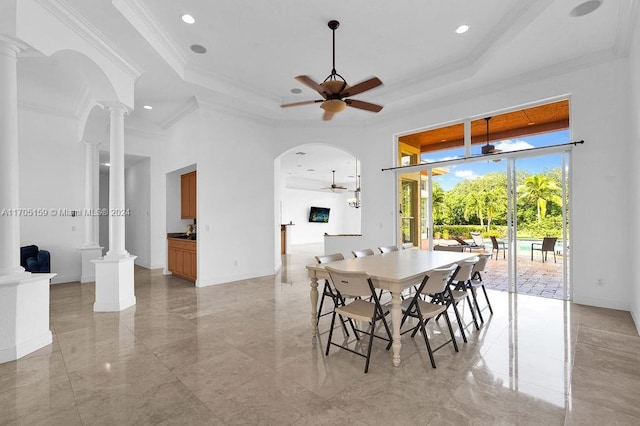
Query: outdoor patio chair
[[478, 242], [548, 245], [448, 248], [356, 286], [497, 246]]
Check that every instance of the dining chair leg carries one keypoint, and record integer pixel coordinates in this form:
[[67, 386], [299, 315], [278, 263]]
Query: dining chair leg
[[473, 314], [333, 321], [487, 297], [453, 337], [475, 302], [455, 310], [371, 328], [426, 341]]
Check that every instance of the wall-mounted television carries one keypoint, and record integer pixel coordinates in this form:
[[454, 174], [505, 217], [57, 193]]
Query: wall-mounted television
[[319, 214]]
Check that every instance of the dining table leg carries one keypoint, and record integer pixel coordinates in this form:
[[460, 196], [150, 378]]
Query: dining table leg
[[314, 305], [396, 318]]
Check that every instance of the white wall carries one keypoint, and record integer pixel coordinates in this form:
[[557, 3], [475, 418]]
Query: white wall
[[236, 211], [52, 178], [138, 203], [601, 172], [295, 208], [634, 189]]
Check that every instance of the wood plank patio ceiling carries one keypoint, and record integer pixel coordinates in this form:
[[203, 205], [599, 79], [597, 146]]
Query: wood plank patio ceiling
[[516, 124]]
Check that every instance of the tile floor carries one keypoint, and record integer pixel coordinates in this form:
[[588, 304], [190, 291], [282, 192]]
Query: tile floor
[[241, 353]]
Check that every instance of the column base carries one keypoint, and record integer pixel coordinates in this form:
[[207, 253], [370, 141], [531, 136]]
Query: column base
[[88, 272], [115, 284], [24, 311]]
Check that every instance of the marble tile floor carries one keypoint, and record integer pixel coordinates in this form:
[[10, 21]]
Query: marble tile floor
[[241, 353]]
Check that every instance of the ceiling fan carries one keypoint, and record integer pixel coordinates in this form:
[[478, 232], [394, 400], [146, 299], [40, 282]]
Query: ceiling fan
[[334, 187], [489, 148], [334, 89]]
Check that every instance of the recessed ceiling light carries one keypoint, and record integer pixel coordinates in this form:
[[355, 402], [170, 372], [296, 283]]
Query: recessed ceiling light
[[462, 29], [198, 49], [585, 8], [147, 107], [188, 19], [296, 90]]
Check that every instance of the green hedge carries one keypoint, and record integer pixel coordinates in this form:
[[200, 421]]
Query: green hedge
[[548, 227], [464, 231]]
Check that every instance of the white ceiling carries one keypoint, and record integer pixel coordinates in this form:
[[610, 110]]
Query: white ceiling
[[256, 48]]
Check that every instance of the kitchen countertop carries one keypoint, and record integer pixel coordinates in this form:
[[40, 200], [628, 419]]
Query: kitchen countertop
[[181, 236]]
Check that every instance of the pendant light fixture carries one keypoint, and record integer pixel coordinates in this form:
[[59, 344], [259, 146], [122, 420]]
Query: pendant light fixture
[[355, 201]]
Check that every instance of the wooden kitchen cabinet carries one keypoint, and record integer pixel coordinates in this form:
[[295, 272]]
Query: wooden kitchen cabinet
[[182, 259], [188, 191]]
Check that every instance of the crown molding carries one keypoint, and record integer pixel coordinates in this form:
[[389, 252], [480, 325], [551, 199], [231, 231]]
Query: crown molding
[[451, 98], [182, 111], [626, 27], [143, 21], [501, 33], [228, 107], [46, 110], [199, 75], [146, 134], [61, 10], [17, 44]]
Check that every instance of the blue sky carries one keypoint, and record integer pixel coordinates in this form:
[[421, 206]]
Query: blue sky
[[474, 170]]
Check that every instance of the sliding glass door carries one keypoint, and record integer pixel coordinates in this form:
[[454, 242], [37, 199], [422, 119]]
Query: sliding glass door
[[538, 225]]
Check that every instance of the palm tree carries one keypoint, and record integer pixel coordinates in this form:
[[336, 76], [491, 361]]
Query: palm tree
[[475, 204], [540, 189], [494, 203], [438, 201]]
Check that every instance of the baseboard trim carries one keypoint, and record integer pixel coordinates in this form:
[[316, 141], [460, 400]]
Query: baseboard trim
[[621, 305], [25, 348]]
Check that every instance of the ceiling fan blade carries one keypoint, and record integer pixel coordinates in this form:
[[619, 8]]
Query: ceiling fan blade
[[301, 103], [361, 87], [309, 82], [327, 116], [363, 105]]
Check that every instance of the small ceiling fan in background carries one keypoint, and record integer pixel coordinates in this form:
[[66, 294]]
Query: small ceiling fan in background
[[489, 148], [334, 187], [334, 89]]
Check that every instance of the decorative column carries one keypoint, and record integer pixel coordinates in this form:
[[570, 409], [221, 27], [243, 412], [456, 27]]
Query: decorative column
[[90, 249], [114, 272], [24, 297], [9, 188]]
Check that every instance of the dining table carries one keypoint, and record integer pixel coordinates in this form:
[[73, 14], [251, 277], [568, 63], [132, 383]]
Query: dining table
[[394, 271]]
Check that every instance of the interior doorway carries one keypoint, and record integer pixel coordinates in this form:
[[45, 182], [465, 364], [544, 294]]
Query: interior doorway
[[314, 178]]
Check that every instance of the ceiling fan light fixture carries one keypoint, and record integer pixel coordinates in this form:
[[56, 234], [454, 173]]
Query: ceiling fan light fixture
[[489, 148], [333, 105], [335, 86]]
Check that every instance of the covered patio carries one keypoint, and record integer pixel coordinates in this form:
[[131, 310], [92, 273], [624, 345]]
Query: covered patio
[[533, 277]]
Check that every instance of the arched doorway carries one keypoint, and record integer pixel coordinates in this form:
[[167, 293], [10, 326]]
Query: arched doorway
[[321, 177]]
